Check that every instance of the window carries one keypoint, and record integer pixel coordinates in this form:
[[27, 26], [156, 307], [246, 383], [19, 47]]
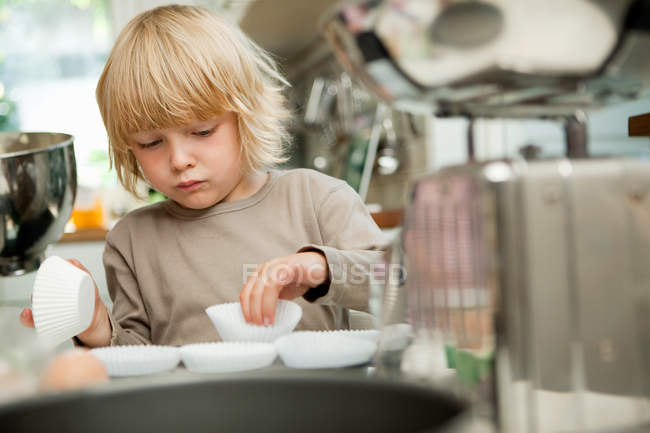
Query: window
[[51, 55]]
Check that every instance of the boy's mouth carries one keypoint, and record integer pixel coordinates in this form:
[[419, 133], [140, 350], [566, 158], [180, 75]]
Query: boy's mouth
[[189, 185]]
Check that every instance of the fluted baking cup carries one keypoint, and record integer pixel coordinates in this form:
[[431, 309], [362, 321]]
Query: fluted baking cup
[[137, 360], [323, 350], [63, 300], [231, 325], [227, 357], [371, 335]]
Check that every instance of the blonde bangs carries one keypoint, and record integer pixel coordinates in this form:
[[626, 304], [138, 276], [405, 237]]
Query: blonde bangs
[[160, 84], [174, 65]]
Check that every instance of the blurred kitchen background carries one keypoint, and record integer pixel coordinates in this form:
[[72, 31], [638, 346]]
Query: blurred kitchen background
[[52, 52], [547, 258]]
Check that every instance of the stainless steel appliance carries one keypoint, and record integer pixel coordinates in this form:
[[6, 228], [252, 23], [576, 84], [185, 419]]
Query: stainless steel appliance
[[528, 284], [38, 183], [536, 277]]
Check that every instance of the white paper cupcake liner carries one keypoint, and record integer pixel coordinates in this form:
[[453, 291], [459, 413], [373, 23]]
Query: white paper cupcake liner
[[227, 357], [231, 325], [371, 335], [63, 300], [137, 360], [323, 350]]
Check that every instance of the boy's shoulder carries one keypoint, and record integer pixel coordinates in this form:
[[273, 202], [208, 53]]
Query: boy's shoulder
[[137, 218], [315, 182]]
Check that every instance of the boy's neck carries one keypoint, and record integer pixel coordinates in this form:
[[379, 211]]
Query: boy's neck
[[248, 185]]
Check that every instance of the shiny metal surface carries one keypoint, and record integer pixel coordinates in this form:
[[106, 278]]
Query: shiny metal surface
[[495, 58], [38, 184], [536, 276]]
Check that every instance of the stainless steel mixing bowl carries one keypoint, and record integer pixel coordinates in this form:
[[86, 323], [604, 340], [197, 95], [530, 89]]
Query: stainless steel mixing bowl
[[38, 185], [291, 402]]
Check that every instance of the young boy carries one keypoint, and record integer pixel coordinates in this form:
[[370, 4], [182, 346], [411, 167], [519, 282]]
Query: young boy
[[195, 108]]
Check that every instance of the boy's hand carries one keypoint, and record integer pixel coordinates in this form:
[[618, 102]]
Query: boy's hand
[[283, 278], [98, 333]]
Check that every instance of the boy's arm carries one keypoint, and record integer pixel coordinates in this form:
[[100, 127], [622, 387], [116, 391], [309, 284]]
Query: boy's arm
[[129, 319], [352, 245]]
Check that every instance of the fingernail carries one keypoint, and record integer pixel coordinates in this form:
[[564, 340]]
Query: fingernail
[[267, 322]]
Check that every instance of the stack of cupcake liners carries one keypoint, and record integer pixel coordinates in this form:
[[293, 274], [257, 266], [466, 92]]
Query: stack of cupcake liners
[[63, 301]]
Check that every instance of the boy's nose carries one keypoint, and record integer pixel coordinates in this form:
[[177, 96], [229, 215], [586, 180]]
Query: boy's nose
[[181, 158]]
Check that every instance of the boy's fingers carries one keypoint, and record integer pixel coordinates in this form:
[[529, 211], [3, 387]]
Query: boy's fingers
[[244, 298], [26, 318], [78, 264], [256, 302], [270, 301]]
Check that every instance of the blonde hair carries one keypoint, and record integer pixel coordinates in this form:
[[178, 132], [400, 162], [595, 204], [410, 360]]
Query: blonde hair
[[173, 65]]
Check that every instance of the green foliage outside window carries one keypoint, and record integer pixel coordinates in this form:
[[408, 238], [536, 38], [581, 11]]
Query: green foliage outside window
[[8, 120]]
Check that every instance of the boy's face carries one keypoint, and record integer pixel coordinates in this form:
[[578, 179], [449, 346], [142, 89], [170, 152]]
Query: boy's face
[[196, 165]]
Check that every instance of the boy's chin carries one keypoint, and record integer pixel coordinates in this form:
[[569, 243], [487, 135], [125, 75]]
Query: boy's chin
[[197, 203]]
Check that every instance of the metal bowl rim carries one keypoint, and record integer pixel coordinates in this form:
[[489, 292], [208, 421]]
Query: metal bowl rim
[[68, 141], [109, 390]]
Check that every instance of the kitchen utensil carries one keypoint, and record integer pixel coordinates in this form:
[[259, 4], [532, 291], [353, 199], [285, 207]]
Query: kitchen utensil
[[290, 403], [38, 183], [494, 58]]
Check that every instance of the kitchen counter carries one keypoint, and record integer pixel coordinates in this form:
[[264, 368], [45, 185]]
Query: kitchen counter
[[384, 219], [181, 375]]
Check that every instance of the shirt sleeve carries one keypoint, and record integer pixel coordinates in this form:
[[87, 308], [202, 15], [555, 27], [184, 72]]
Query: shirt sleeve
[[353, 245], [129, 319]]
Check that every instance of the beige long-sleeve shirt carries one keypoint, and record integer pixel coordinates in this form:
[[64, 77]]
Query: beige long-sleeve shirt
[[165, 264]]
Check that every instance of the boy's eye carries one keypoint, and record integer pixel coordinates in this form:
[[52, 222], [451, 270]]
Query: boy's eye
[[205, 133], [150, 144]]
